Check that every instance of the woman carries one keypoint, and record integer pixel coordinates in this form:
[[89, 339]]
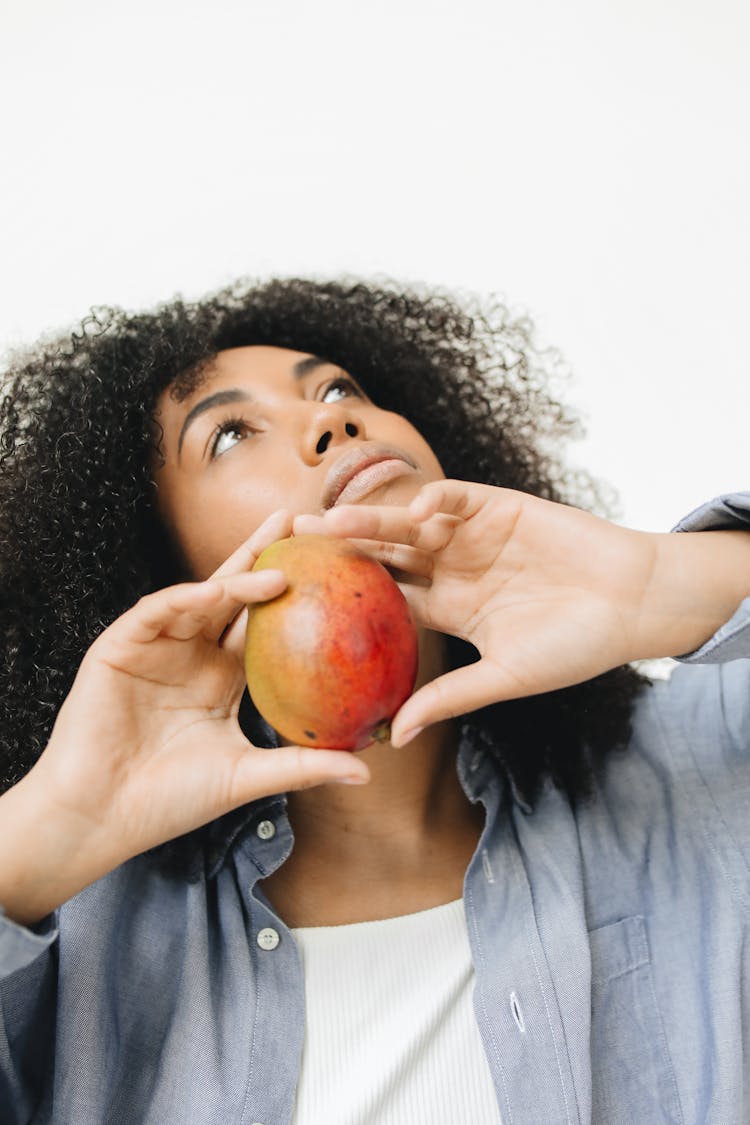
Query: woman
[[197, 927]]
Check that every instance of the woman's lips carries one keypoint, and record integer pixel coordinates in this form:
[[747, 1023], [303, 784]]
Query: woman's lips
[[370, 478], [342, 483]]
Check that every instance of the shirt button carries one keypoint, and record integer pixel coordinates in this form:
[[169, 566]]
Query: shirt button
[[266, 830], [268, 938]]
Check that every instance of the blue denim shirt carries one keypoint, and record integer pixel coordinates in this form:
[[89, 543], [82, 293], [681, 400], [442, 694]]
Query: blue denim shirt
[[610, 943]]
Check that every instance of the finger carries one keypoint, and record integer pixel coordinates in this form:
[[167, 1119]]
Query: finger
[[260, 772], [193, 608], [233, 638], [418, 595], [399, 560], [459, 498], [307, 524], [277, 526], [386, 524], [456, 693], [395, 556], [239, 591]]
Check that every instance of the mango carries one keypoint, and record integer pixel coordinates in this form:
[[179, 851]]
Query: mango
[[331, 659]]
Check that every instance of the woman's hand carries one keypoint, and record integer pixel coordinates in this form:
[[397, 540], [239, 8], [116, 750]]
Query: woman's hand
[[147, 744], [548, 594]]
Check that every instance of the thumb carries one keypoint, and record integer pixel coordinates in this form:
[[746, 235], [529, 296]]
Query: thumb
[[455, 693], [263, 771]]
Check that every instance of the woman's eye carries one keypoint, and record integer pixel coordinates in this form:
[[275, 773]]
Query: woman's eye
[[341, 388], [227, 435]]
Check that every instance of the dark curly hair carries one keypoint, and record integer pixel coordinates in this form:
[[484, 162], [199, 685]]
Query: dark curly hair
[[79, 539]]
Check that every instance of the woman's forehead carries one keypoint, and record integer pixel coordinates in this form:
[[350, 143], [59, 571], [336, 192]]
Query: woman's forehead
[[259, 361]]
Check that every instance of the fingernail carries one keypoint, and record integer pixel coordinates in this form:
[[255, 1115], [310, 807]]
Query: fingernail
[[352, 779], [409, 735]]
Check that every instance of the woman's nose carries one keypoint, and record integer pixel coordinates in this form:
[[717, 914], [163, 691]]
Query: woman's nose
[[330, 425]]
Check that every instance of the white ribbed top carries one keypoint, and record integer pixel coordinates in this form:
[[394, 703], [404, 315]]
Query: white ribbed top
[[390, 1033]]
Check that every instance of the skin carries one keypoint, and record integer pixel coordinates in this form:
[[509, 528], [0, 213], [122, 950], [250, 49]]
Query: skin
[[147, 745], [212, 503], [414, 811], [403, 843]]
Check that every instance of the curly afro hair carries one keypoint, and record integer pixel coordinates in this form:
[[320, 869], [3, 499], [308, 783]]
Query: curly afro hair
[[79, 539]]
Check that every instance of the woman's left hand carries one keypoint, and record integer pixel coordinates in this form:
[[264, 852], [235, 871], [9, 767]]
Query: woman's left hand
[[548, 594]]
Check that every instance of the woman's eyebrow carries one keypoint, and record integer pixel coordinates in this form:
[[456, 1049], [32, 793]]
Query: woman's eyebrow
[[304, 366], [218, 398]]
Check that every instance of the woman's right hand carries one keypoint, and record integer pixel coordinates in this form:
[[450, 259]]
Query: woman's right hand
[[147, 745]]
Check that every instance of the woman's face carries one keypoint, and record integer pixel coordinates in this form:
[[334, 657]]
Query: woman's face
[[271, 428]]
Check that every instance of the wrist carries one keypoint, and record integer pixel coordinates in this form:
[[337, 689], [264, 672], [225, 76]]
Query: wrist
[[697, 583], [48, 857]]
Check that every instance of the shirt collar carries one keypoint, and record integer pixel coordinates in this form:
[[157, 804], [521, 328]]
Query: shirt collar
[[480, 770]]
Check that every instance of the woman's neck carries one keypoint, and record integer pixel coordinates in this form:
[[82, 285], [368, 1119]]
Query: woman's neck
[[399, 844]]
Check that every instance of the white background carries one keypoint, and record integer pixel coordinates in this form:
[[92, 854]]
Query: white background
[[587, 160]]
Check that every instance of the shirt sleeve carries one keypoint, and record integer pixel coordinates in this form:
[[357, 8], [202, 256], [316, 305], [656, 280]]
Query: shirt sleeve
[[28, 989], [20, 945], [730, 512]]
